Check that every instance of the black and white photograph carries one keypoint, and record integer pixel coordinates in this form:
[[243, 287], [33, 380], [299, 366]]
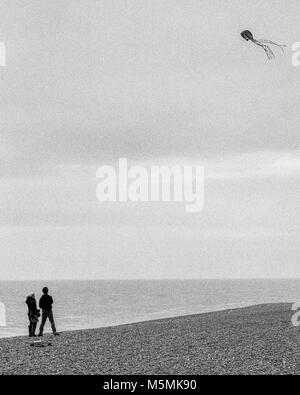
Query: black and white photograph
[[149, 190]]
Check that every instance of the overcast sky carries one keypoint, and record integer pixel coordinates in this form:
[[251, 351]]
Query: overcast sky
[[158, 82]]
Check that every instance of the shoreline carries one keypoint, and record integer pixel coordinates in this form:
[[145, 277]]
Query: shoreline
[[218, 309], [253, 340]]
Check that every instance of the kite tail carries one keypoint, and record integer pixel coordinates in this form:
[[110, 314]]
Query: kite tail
[[266, 48], [272, 43]]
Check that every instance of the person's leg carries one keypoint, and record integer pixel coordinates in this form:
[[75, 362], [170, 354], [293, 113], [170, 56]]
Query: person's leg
[[51, 319], [30, 324], [44, 318], [34, 329]]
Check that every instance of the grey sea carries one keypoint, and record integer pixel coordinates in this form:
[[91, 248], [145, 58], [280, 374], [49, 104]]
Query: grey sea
[[94, 304]]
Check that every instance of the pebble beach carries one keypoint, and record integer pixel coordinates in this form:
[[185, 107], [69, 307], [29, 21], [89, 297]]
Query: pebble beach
[[253, 340]]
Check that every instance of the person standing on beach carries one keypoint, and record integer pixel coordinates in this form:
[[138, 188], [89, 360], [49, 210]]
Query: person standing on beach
[[45, 304], [33, 314]]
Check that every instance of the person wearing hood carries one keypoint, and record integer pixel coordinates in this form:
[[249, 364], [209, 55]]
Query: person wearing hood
[[33, 314]]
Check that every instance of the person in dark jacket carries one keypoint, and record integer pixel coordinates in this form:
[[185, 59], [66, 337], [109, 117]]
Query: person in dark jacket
[[45, 304], [33, 314]]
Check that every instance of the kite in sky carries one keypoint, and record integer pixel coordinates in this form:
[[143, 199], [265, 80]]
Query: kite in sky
[[248, 36]]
